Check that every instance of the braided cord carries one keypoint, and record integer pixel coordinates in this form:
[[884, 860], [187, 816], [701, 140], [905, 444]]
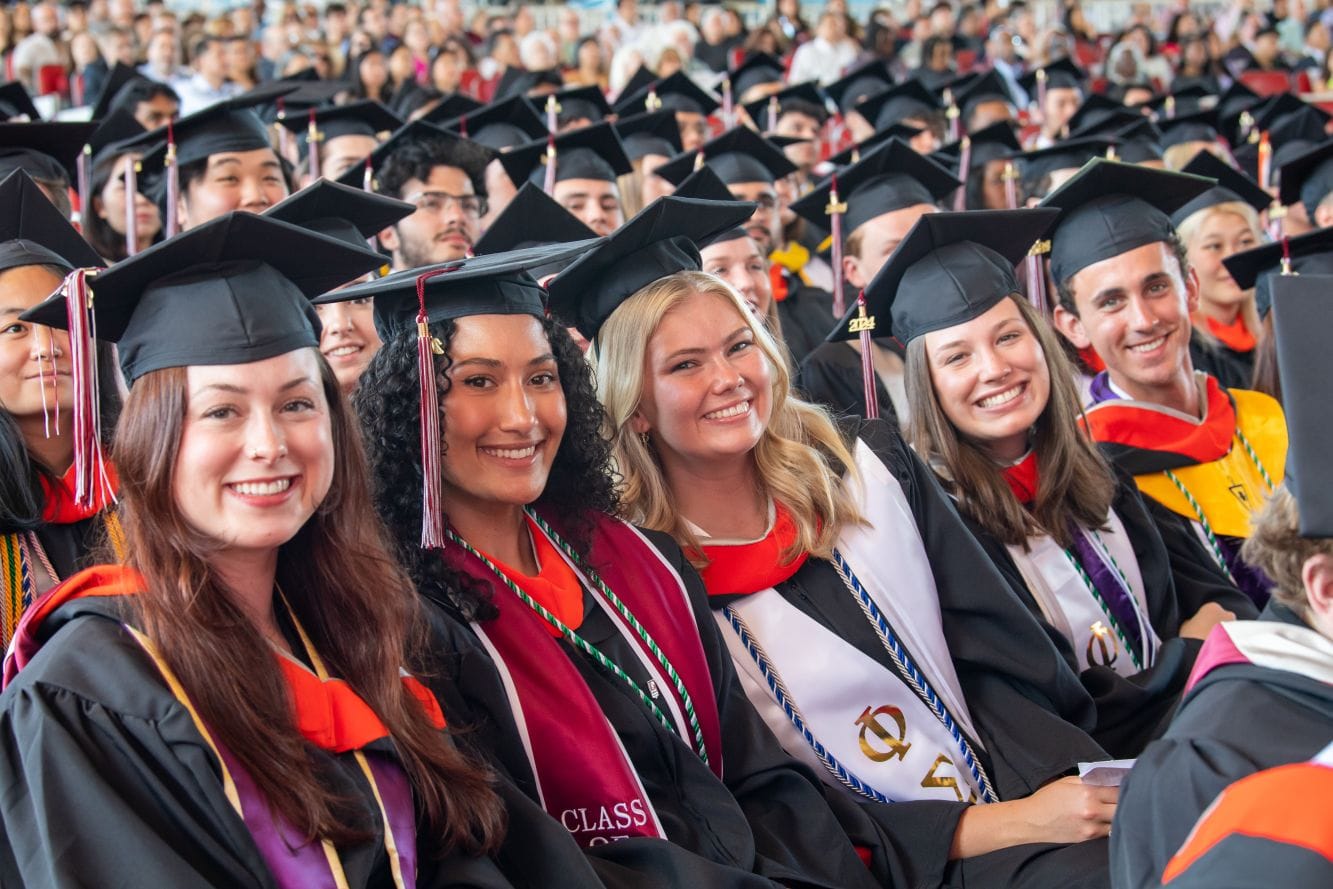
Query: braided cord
[[1254, 458], [574, 638], [915, 679], [1110, 616], [640, 629], [783, 698], [1203, 522]]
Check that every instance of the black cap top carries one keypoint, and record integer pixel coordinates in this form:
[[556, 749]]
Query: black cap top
[[738, 155], [456, 151], [1232, 185], [349, 214], [909, 99], [232, 291], [364, 118], [46, 151], [1185, 100], [1302, 317], [951, 268], [1307, 178], [500, 125], [116, 79], [801, 98], [1071, 154], [888, 178], [859, 84], [291, 96], [703, 184], [1140, 141], [653, 132], [450, 107], [1110, 208], [496, 284], [32, 231], [675, 93], [853, 154], [593, 152], [517, 82], [1311, 254], [1276, 107], [1201, 126], [1097, 113], [117, 133], [576, 102], [532, 219], [757, 68], [16, 102], [642, 78], [661, 240], [989, 87], [988, 143], [1237, 99], [229, 125], [1060, 74]]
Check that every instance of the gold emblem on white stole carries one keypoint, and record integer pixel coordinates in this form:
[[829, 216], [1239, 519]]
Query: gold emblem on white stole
[[1104, 642]]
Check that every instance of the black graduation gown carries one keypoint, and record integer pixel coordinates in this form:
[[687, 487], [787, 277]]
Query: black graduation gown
[[1197, 577], [1239, 719], [831, 375], [1233, 369], [806, 316], [1026, 703], [743, 832], [107, 781], [1131, 711], [71, 547]]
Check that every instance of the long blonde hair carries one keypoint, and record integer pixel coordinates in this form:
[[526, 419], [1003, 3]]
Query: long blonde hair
[[1189, 229], [801, 457]]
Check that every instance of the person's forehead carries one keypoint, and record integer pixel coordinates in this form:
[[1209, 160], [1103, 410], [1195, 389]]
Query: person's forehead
[[444, 175], [1128, 269]]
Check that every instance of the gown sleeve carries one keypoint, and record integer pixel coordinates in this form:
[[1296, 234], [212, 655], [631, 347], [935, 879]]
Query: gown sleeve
[[1198, 579]]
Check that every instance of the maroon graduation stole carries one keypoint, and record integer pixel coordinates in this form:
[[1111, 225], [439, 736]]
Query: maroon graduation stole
[[1022, 478], [1143, 439], [584, 775], [744, 568]]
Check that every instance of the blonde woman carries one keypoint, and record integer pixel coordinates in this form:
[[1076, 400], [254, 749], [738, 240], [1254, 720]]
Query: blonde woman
[[1222, 221], [868, 628]]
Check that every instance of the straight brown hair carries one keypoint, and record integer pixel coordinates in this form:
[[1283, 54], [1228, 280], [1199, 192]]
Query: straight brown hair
[[358, 607]]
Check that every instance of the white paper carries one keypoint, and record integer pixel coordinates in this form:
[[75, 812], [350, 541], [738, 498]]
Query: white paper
[[1108, 773]]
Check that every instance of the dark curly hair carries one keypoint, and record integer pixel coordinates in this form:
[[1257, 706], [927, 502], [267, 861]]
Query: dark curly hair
[[581, 482], [417, 157]]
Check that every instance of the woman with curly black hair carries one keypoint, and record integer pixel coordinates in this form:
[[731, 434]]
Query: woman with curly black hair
[[582, 654]]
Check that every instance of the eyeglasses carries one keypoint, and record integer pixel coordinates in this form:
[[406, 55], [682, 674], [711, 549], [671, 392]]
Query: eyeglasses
[[766, 201], [437, 202]]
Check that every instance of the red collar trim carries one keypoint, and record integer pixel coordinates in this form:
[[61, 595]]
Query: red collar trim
[[1146, 427], [744, 568]]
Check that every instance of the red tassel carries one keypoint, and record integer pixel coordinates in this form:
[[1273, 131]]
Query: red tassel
[[91, 483], [432, 472], [1036, 275], [462, 126], [964, 161], [835, 209], [1010, 185], [863, 325], [172, 225]]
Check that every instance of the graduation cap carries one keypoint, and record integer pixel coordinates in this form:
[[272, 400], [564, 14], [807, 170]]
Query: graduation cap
[[292, 96], [532, 219], [1235, 102], [1062, 74], [229, 125], [593, 152], [642, 78], [1139, 142], [1199, 126], [756, 69], [674, 93], [1067, 155], [500, 125], [901, 131], [1258, 267], [659, 241], [985, 145], [46, 151], [116, 79], [455, 151], [518, 82], [989, 87], [116, 134], [1097, 113], [1302, 315], [738, 155], [889, 177], [703, 184], [451, 107], [801, 98], [1232, 185], [581, 102], [1307, 178], [653, 132], [1109, 208], [234, 290], [352, 215], [909, 99], [951, 268], [1182, 101], [1279, 106], [33, 232], [363, 118], [859, 84], [16, 102]]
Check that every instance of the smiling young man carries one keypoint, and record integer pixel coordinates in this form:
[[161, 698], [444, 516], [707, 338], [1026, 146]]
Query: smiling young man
[[588, 165], [1206, 457]]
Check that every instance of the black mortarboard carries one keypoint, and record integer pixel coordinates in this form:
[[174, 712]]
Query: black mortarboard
[[909, 99], [1097, 113], [451, 107], [1302, 317], [1232, 185], [987, 144], [32, 231], [653, 132], [363, 118], [854, 154], [1138, 142], [47, 151], [494, 284], [859, 84], [951, 268], [1179, 102], [1235, 101], [1060, 74], [887, 178], [234, 290], [532, 219], [1309, 254], [641, 79], [704, 185], [1306, 124], [659, 241], [291, 96], [116, 79], [674, 93], [465, 154], [229, 125], [800, 98], [1071, 154], [989, 87], [501, 125], [738, 155], [757, 68], [116, 133], [1109, 208], [1200, 126], [16, 102], [340, 211], [1307, 178], [579, 102], [1276, 107], [518, 82], [591, 152]]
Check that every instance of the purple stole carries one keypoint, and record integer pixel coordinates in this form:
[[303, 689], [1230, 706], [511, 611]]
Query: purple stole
[[1113, 590], [584, 776]]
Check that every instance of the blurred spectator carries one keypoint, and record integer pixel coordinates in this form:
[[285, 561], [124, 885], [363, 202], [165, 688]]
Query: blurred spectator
[[537, 51], [1002, 52], [241, 63], [416, 38], [501, 53], [163, 58], [446, 69], [936, 61], [590, 65], [624, 27], [40, 48], [7, 40], [368, 77], [826, 56], [89, 71], [714, 47], [1197, 64], [208, 82]]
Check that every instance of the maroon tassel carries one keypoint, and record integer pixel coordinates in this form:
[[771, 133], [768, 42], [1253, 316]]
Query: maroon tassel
[[728, 104], [81, 165], [964, 161], [312, 138], [432, 473], [835, 209], [552, 114], [548, 184], [862, 325], [90, 477], [1041, 94], [1036, 275], [172, 225], [774, 112], [1010, 185], [462, 126], [131, 198], [1286, 256], [368, 177]]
